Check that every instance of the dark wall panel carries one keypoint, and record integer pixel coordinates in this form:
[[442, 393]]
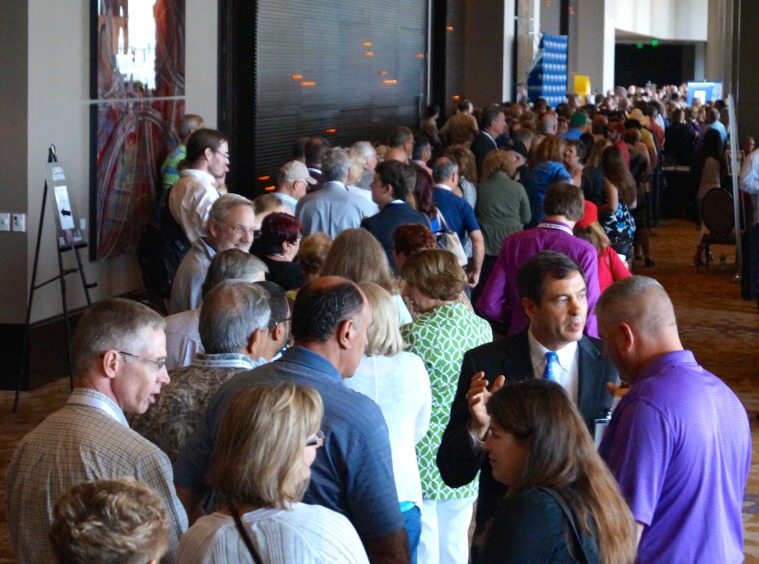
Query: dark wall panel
[[342, 69]]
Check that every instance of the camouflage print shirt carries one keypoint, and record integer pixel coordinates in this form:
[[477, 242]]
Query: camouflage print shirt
[[169, 422]]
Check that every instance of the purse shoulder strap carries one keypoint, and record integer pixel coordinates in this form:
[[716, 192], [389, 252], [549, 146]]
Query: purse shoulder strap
[[244, 534], [443, 222], [576, 539]]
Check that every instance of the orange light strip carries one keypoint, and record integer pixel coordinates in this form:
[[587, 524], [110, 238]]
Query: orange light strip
[[368, 53], [449, 28], [330, 131], [366, 44], [307, 83], [270, 188], [296, 76], [390, 81], [264, 178]]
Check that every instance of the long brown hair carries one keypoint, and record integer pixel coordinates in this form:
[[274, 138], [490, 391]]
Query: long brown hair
[[562, 456], [549, 149], [615, 171]]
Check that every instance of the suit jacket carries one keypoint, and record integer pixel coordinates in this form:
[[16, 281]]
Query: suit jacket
[[481, 146], [383, 224], [459, 460]]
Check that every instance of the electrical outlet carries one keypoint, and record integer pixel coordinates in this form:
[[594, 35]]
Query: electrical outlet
[[18, 222], [5, 221]]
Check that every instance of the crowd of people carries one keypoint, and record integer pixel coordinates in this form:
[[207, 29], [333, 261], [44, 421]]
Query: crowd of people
[[395, 335]]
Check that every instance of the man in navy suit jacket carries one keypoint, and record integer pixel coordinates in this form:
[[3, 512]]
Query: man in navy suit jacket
[[554, 297], [392, 184]]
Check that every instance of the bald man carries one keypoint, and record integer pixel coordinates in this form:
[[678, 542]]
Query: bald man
[[679, 442]]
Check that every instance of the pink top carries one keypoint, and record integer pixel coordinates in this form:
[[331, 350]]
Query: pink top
[[610, 268]]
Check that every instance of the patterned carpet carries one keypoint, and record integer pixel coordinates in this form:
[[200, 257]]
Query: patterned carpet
[[714, 322]]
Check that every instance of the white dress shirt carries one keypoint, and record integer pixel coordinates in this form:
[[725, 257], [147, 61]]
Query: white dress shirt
[[567, 369]]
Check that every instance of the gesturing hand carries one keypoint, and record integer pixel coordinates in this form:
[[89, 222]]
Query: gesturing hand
[[477, 398]]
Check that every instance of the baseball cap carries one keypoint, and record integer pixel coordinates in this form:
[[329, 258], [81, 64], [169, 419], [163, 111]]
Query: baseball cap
[[295, 170], [590, 215], [578, 118]]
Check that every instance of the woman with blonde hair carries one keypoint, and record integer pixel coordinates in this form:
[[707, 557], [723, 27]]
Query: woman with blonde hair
[[610, 267], [358, 256], [101, 521], [444, 331], [398, 382], [261, 466], [563, 504]]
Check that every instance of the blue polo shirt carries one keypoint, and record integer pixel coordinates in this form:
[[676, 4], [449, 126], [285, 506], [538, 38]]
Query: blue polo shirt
[[458, 214], [353, 471]]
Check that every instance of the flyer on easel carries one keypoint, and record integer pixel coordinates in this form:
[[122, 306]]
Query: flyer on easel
[[68, 233]]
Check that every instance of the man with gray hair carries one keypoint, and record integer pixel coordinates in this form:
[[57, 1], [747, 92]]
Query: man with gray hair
[[365, 152], [333, 208], [182, 329], [458, 214], [118, 353], [353, 473], [234, 325], [231, 223], [679, 442]]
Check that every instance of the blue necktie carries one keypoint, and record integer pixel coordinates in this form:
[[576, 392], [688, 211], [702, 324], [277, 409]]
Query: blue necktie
[[552, 360]]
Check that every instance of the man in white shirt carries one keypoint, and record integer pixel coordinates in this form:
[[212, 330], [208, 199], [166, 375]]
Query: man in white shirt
[[118, 352], [191, 198]]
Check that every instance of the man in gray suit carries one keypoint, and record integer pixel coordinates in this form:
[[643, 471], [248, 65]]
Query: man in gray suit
[[554, 298]]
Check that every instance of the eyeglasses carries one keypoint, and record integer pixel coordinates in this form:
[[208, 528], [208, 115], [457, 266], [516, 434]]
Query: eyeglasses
[[317, 441], [159, 364], [239, 230], [225, 155]]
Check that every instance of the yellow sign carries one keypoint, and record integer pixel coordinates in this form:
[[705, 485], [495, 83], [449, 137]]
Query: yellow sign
[[582, 84]]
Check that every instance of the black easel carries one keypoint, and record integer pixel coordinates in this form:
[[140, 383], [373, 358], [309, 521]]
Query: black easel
[[63, 246]]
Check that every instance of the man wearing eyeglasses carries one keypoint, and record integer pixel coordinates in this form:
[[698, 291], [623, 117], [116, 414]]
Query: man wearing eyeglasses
[[118, 352], [231, 224], [191, 198]]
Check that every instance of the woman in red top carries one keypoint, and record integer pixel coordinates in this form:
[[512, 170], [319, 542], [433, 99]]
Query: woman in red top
[[610, 267]]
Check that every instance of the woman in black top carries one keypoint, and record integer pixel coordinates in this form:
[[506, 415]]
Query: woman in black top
[[277, 245], [538, 445]]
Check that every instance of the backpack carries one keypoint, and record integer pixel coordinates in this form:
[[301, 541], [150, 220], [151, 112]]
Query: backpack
[[162, 246]]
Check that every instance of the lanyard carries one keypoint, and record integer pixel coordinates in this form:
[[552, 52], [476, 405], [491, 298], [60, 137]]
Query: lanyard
[[98, 403], [558, 226]]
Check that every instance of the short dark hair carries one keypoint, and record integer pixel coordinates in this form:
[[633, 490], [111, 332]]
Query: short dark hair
[[201, 140], [532, 276], [320, 308], [421, 142], [315, 149], [489, 116], [399, 135], [299, 148], [280, 307], [463, 105], [277, 228], [564, 198], [399, 176]]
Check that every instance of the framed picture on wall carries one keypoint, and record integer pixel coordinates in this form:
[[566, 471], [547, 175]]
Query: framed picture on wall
[[137, 90]]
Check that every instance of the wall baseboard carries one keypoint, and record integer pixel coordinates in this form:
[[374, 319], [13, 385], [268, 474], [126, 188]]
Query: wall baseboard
[[47, 349]]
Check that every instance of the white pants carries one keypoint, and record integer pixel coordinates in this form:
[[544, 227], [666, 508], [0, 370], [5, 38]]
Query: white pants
[[445, 531]]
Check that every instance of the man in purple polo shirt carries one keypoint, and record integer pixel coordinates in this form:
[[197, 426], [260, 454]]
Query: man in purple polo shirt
[[500, 300], [679, 442]]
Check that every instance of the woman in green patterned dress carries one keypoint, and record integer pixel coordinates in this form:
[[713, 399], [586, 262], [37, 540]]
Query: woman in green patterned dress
[[444, 331]]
